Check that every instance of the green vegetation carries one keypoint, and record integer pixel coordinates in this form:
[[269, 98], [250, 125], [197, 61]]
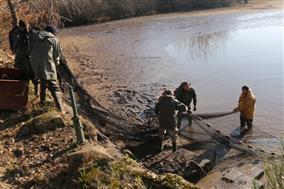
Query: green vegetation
[[125, 172], [274, 172], [106, 174]]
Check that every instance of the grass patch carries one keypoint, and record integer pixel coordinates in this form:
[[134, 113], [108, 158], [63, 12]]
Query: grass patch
[[127, 173], [274, 171], [111, 174]]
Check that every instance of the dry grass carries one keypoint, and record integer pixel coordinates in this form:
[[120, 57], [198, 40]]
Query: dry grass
[[274, 172]]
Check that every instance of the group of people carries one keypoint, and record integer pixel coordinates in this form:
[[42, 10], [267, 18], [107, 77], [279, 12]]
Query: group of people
[[171, 106], [38, 53]]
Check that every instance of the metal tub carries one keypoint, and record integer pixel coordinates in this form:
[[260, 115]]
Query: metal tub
[[13, 90]]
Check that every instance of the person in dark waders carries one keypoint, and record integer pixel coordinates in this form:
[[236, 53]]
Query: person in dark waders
[[186, 94], [166, 110], [246, 107], [19, 45], [45, 58]]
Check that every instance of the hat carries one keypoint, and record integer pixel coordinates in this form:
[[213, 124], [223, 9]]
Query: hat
[[245, 88], [168, 92], [51, 29], [22, 23]]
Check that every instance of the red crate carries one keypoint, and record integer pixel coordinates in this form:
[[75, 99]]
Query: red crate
[[13, 92]]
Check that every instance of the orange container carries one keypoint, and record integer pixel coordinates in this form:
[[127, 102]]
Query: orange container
[[13, 91]]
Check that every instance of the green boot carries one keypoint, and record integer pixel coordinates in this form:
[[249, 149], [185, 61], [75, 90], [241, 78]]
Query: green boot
[[174, 146]]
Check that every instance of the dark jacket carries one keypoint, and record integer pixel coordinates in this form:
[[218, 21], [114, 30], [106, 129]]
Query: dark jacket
[[45, 55], [19, 44], [186, 97], [166, 110], [11, 38]]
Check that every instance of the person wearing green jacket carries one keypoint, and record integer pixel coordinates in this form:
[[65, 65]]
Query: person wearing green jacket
[[45, 57], [166, 109]]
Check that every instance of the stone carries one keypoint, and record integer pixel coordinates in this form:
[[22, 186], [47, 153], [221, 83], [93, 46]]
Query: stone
[[88, 154], [49, 121]]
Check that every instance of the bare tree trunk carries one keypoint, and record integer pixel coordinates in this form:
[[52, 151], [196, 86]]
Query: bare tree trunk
[[51, 13], [13, 12]]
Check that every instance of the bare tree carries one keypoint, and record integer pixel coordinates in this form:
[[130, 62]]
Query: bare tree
[[13, 12]]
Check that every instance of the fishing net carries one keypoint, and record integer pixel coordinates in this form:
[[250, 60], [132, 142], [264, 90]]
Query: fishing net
[[223, 128]]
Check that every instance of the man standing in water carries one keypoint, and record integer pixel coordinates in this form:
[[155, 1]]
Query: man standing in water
[[166, 110], [45, 57], [185, 94], [246, 108]]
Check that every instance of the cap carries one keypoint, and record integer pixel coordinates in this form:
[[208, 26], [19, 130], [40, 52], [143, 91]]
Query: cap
[[168, 92], [51, 29], [22, 23]]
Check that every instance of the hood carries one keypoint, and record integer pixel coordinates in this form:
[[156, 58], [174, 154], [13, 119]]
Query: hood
[[46, 35], [248, 94], [166, 97], [41, 35]]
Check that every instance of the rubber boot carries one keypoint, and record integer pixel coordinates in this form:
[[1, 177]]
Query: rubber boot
[[57, 99], [189, 119], [42, 96], [161, 146], [179, 119], [36, 89], [243, 130], [249, 124], [174, 146], [36, 92]]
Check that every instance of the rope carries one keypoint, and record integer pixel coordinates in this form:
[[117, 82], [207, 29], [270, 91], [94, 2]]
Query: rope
[[214, 115], [266, 133], [217, 135]]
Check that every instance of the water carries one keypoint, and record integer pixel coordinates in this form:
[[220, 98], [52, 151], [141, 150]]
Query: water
[[220, 63]]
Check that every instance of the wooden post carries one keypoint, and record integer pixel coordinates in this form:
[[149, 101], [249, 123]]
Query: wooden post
[[76, 120]]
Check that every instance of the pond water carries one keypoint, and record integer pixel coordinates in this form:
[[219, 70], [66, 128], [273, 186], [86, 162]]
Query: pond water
[[220, 63]]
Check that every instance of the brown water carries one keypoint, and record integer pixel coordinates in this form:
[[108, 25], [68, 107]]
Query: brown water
[[217, 53]]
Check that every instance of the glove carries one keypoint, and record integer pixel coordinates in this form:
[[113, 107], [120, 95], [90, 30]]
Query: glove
[[194, 108]]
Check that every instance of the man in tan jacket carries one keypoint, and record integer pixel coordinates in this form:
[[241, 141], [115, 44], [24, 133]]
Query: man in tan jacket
[[246, 108]]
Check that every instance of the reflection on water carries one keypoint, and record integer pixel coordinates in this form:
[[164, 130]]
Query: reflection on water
[[218, 64], [198, 47]]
